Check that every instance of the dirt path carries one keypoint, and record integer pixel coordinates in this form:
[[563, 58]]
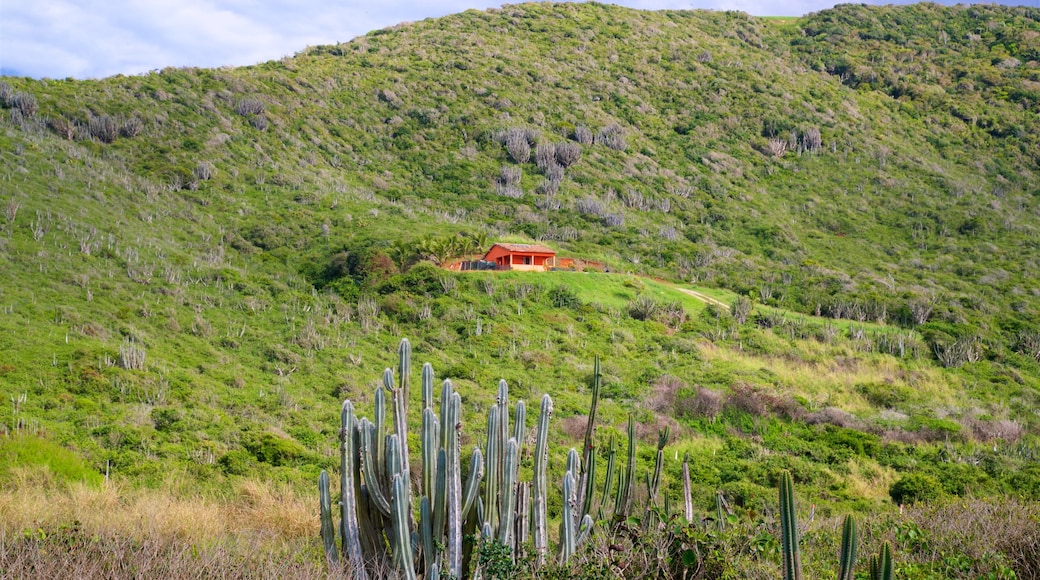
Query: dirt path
[[703, 298]]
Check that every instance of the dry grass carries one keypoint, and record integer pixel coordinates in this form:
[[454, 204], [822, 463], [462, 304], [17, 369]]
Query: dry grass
[[115, 531]]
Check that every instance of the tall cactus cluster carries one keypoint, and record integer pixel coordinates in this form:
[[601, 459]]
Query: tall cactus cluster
[[378, 523]]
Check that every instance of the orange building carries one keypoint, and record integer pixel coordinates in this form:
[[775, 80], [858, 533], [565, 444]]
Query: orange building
[[521, 257]]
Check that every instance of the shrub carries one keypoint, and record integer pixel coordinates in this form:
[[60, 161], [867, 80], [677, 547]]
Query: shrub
[[567, 154], [704, 403], [643, 308], [132, 127], [25, 103], [612, 137], [915, 487], [104, 128], [247, 106], [6, 92], [583, 135], [63, 127]]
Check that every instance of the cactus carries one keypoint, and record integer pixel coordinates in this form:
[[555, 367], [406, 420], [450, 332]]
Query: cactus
[[792, 562], [881, 567], [608, 481], [623, 505], [567, 537], [378, 518], [328, 530], [655, 482], [538, 493], [687, 489], [848, 549]]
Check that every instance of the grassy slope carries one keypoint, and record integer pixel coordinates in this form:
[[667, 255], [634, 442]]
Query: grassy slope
[[389, 138]]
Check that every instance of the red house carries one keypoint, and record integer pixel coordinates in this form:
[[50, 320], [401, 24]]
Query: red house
[[521, 257]]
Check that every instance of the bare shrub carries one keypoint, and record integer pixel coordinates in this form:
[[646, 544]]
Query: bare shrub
[[614, 220], [1001, 429], [25, 103], [590, 206], [131, 356], [511, 190], [574, 427], [6, 93], [132, 127], [920, 308], [613, 137], [704, 403], [554, 172], [545, 155], [979, 527], [812, 140], [517, 144], [741, 309], [667, 233], [204, 171], [776, 147], [567, 154], [963, 350], [834, 416], [63, 127], [247, 106], [746, 398], [663, 393], [510, 175], [104, 128], [704, 57], [259, 122], [583, 135], [1028, 343]]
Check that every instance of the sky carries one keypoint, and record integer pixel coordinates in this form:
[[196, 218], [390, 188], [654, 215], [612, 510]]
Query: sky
[[100, 38]]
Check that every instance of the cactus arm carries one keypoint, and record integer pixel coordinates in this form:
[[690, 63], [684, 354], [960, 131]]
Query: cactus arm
[[687, 489], [567, 537], [792, 562], [611, 461], [328, 530], [492, 469], [520, 426], [429, 550], [476, 474], [430, 436], [379, 436], [404, 369], [848, 549], [454, 492], [505, 527], [585, 530], [350, 530], [881, 567], [427, 386], [368, 467], [523, 509], [623, 505], [440, 509], [538, 495], [589, 490], [402, 541]]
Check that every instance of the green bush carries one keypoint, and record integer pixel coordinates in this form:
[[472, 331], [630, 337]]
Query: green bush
[[27, 450], [915, 487]]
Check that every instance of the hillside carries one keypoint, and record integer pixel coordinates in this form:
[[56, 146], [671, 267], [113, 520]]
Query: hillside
[[201, 264]]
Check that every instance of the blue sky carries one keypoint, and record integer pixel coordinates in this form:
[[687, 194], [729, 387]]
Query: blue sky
[[98, 38]]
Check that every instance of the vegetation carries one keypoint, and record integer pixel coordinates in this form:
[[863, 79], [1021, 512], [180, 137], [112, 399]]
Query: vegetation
[[820, 241]]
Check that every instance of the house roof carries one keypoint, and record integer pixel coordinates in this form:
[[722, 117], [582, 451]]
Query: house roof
[[521, 248], [526, 248]]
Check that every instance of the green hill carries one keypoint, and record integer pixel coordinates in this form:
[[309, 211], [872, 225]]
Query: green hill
[[200, 264]]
